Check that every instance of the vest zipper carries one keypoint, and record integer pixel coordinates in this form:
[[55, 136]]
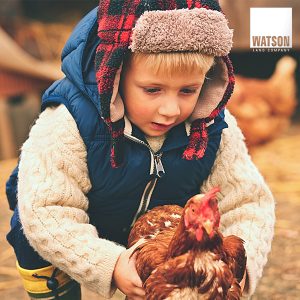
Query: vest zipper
[[156, 164], [145, 200], [159, 168], [155, 168]]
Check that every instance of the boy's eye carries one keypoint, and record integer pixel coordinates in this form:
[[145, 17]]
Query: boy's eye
[[188, 91], [151, 90]]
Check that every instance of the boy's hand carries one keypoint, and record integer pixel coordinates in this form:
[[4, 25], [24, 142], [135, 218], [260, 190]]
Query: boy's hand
[[243, 281], [126, 277]]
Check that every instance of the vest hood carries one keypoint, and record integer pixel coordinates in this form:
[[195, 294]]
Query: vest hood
[[78, 57]]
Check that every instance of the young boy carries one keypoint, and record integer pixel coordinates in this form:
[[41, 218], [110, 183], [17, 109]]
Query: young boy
[[147, 128]]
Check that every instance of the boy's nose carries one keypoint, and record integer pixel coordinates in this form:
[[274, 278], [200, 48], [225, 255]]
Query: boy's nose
[[169, 108]]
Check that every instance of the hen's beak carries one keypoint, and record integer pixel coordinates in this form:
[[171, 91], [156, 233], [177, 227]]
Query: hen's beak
[[208, 226]]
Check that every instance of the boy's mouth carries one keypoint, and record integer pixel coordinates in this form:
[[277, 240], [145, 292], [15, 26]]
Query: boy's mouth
[[160, 127]]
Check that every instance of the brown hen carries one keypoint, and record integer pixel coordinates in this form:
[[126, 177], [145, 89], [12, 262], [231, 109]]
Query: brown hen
[[185, 256], [263, 107]]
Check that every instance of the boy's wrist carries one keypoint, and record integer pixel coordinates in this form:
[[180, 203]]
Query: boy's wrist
[[115, 271]]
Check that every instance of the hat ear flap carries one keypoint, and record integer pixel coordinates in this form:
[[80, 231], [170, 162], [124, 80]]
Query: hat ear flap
[[117, 141], [108, 72], [213, 97], [117, 109], [212, 91], [198, 141]]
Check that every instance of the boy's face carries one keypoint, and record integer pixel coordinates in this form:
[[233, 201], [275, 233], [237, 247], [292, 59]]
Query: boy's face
[[155, 102]]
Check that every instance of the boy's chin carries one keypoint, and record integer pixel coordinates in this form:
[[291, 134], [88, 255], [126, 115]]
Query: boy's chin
[[154, 133]]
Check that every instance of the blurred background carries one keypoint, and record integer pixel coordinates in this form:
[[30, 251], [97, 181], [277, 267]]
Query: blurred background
[[265, 103]]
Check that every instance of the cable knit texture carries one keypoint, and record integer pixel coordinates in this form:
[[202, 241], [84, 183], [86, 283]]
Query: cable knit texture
[[53, 181]]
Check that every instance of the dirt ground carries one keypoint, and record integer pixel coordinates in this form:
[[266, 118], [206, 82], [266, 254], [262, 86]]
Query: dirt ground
[[279, 162]]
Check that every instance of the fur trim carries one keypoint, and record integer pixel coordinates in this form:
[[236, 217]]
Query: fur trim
[[212, 90], [199, 29]]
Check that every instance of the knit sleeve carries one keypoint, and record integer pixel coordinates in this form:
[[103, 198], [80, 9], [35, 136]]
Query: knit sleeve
[[53, 183], [246, 203]]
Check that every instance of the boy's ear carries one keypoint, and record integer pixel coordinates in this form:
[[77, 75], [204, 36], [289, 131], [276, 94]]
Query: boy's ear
[[212, 91], [116, 104]]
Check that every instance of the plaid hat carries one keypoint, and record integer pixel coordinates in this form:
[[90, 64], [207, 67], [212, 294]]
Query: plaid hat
[[152, 26]]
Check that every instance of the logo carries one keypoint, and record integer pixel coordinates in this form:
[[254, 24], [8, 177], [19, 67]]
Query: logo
[[271, 29]]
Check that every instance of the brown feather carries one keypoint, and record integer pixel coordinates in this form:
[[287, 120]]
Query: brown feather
[[234, 247]]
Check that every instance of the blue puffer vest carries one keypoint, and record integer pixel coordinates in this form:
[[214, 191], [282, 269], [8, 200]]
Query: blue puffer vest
[[115, 196]]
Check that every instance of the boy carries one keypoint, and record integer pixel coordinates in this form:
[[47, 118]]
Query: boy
[[156, 135]]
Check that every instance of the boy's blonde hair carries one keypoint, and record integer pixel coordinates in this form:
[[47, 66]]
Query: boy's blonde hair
[[169, 63]]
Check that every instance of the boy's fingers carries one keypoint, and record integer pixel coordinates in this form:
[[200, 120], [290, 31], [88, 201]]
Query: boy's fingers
[[138, 243], [136, 280], [139, 292], [133, 249], [136, 298]]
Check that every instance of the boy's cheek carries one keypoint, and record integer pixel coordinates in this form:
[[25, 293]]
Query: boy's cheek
[[138, 112], [187, 109]]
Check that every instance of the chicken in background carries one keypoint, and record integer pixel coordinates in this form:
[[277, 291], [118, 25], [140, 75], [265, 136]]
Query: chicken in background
[[184, 255], [263, 107]]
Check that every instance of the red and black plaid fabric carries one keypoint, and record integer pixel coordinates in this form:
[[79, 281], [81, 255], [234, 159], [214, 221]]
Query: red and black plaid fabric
[[116, 18], [199, 136]]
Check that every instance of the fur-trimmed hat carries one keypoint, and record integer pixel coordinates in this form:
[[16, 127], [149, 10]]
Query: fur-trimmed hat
[[151, 26]]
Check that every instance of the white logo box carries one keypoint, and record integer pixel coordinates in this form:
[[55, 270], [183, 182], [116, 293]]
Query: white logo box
[[271, 27]]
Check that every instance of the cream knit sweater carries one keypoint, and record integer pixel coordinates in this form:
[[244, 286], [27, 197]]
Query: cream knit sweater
[[54, 181]]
